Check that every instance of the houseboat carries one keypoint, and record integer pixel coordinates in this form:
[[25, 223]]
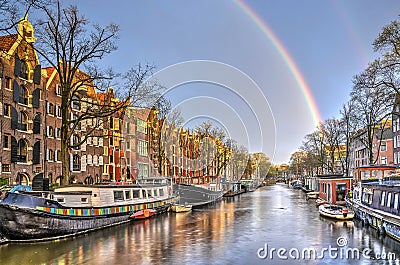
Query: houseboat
[[250, 184], [377, 204], [76, 209], [233, 188], [333, 188]]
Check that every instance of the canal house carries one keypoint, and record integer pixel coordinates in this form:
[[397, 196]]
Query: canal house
[[333, 188]]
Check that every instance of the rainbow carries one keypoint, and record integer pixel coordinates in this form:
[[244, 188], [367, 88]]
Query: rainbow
[[287, 58]]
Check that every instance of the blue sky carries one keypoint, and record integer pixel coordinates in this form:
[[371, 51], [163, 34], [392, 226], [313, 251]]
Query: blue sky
[[330, 42]]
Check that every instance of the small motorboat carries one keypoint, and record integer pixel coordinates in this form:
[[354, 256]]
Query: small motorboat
[[143, 214], [336, 212], [180, 208]]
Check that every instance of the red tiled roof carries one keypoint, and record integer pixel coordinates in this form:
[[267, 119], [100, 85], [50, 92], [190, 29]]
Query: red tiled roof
[[49, 70], [6, 42]]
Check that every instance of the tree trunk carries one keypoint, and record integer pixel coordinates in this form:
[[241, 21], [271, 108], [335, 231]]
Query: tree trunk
[[64, 142]]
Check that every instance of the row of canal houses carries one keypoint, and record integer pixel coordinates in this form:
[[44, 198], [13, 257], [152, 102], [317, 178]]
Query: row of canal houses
[[123, 147]]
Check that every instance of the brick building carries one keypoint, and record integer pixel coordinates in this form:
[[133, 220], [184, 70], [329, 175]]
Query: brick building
[[22, 113]]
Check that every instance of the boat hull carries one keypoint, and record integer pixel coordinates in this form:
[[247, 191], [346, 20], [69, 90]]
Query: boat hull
[[194, 195], [181, 208], [22, 223], [19, 224]]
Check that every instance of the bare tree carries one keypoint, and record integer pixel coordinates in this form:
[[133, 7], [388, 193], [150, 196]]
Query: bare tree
[[314, 143], [373, 105], [72, 47], [388, 43], [348, 126], [334, 139]]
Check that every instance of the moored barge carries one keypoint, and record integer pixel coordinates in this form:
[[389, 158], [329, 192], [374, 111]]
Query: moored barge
[[76, 209]]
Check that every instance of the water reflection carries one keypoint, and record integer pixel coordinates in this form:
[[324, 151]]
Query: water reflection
[[227, 232]]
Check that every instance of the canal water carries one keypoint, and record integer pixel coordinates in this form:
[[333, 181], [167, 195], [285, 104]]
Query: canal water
[[247, 229]]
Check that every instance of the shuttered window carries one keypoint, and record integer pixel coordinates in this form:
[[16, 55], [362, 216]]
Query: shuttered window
[[37, 74], [36, 98], [36, 124], [17, 66], [36, 153], [14, 119], [14, 150]]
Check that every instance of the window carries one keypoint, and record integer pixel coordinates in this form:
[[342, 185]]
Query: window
[[389, 199], [383, 146], [396, 201], [118, 195], [7, 110], [136, 194], [61, 200], [22, 121], [84, 200], [24, 70], [50, 108], [23, 95], [75, 104], [8, 83], [58, 111], [161, 192], [75, 141], [50, 156], [141, 126], [128, 195], [5, 168], [76, 163], [6, 141], [58, 90], [383, 198], [143, 170], [22, 151], [142, 148], [383, 160], [50, 131], [57, 133]]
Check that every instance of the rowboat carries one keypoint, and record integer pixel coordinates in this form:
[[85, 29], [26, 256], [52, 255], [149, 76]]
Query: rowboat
[[143, 214], [336, 212], [180, 208]]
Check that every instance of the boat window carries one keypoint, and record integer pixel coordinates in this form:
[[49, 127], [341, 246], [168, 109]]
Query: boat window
[[155, 192], [383, 198], [128, 195], [60, 199], [144, 194], [396, 200], [84, 200], [118, 195], [160, 192], [136, 193], [389, 199]]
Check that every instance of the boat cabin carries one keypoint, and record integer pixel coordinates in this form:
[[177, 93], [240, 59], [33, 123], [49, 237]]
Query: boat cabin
[[333, 188], [114, 194], [382, 195], [374, 172]]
